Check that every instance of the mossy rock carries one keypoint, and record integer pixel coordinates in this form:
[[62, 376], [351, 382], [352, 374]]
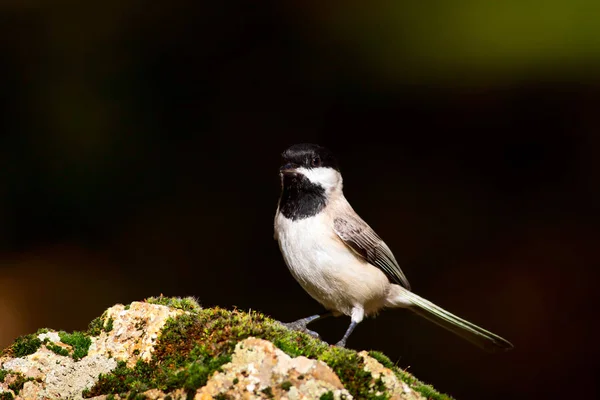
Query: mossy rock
[[197, 343]]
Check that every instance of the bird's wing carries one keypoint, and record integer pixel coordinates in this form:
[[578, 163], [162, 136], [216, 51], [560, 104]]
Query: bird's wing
[[361, 238]]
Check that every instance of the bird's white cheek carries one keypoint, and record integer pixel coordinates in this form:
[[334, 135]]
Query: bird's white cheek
[[329, 178]]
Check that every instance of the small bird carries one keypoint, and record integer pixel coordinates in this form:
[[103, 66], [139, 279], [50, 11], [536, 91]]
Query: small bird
[[338, 259]]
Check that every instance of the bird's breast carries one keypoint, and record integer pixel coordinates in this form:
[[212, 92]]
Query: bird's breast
[[325, 267], [309, 247]]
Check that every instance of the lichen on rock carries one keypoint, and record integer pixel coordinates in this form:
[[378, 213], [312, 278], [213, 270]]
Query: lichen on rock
[[171, 348], [50, 375], [259, 369], [134, 331]]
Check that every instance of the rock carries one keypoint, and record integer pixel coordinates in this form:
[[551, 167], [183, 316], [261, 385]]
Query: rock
[[395, 387], [171, 348], [134, 331], [54, 376], [259, 370]]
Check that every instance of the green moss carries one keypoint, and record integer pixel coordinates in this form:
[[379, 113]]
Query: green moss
[[185, 304], [426, 390], [61, 351], [79, 341], [220, 330], [350, 368], [430, 393], [190, 374], [117, 381], [6, 396], [25, 345], [382, 358], [127, 307], [99, 325], [327, 396], [140, 325], [19, 382], [286, 385], [96, 327], [235, 381], [268, 391], [109, 325], [3, 374]]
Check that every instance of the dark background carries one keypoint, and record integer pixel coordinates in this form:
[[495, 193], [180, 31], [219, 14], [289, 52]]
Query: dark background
[[140, 146]]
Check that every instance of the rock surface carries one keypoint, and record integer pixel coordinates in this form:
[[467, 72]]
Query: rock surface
[[53, 376], [45, 367], [134, 331], [259, 369]]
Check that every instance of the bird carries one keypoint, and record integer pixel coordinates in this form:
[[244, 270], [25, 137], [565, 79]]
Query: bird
[[338, 259]]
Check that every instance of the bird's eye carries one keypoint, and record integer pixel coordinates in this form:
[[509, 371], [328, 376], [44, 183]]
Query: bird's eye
[[315, 162]]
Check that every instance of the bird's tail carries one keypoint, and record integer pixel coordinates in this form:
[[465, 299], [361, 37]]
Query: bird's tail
[[474, 334]]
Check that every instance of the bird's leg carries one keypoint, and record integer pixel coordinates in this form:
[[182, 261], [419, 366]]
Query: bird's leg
[[301, 324], [342, 342], [357, 316]]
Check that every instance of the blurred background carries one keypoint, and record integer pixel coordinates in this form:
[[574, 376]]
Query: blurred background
[[140, 145]]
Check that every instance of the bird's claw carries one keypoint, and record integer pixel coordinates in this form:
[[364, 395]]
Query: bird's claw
[[300, 326]]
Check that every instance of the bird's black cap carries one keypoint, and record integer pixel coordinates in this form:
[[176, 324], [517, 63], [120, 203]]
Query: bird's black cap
[[309, 155]]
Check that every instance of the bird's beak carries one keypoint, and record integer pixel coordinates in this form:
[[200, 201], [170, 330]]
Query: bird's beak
[[288, 168]]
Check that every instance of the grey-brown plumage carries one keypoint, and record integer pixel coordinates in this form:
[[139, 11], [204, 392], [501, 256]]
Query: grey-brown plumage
[[359, 236]]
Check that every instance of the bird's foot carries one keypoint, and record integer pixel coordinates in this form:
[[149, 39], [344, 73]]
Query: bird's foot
[[342, 342], [300, 326]]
